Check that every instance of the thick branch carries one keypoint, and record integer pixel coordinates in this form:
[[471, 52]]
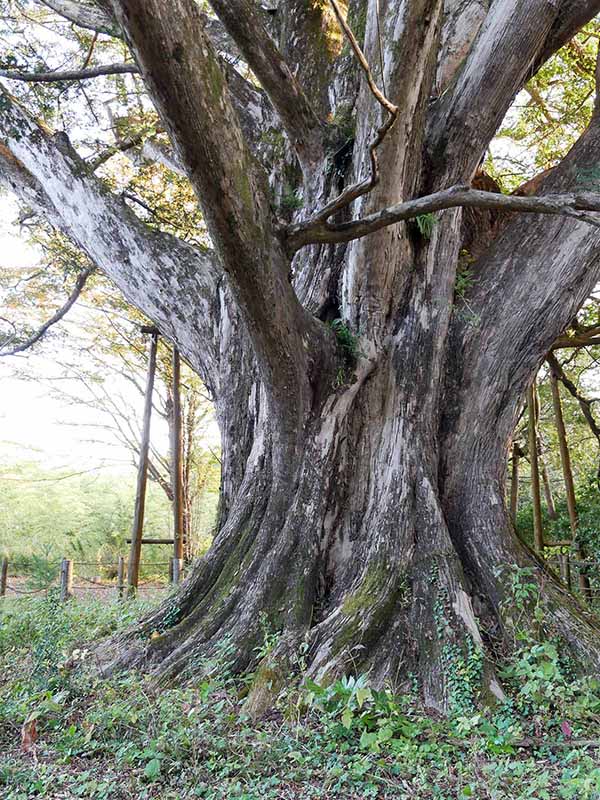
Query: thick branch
[[62, 311], [243, 21], [572, 16], [469, 112], [527, 289], [154, 270], [69, 75], [316, 231], [189, 89]]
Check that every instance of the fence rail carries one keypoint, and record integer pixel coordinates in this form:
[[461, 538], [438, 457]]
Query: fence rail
[[70, 581]]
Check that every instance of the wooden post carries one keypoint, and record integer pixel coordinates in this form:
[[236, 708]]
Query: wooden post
[[121, 577], [514, 483], [66, 580], [565, 570], [565, 460], [176, 569], [177, 465], [552, 513], [3, 577], [538, 529], [133, 570]]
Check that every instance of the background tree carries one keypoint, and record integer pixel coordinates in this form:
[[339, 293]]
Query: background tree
[[365, 405]]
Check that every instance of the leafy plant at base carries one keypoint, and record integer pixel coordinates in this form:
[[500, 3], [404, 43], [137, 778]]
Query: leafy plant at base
[[349, 740]]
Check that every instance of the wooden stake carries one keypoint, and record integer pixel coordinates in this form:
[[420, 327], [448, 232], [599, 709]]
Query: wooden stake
[[133, 570], [565, 570], [538, 529], [121, 577], [547, 489], [66, 580], [514, 483], [565, 460], [177, 462], [176, 569], [3, 577]]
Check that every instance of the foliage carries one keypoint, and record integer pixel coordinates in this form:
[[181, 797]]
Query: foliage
[[559, 529], [347, 341], [465, 280], [540, 673], [348, 346], [46, 515], [291, 200], [42, 569], [425, 224], [549, 114], [121, 738]]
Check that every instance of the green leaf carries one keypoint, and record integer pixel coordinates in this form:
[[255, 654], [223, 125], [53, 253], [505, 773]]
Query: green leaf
[[152, 769], [362, 694], [368, 741]]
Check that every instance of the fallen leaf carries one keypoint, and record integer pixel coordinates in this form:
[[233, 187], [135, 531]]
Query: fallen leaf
[[566, 729], [28, 735]]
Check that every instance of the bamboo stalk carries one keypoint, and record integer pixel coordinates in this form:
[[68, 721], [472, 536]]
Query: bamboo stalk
[[121, 577]]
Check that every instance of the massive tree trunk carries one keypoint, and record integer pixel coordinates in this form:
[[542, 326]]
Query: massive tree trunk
[[365, 412]]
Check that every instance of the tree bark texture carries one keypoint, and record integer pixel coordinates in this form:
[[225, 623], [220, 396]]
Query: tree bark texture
[[365, 411]]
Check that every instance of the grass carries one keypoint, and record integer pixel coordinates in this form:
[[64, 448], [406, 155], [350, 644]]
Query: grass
[[118, 738]]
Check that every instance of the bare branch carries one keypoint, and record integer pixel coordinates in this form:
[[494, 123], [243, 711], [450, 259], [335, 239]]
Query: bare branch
[[121, 146], [47, 174], [584, 403], [315, 230], [70, 74], [582, 337], [360, 188], [62, 311]]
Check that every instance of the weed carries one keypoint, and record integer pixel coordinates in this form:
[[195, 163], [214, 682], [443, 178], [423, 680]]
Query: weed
[[119, 738], [349, 350], [425, 224]]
